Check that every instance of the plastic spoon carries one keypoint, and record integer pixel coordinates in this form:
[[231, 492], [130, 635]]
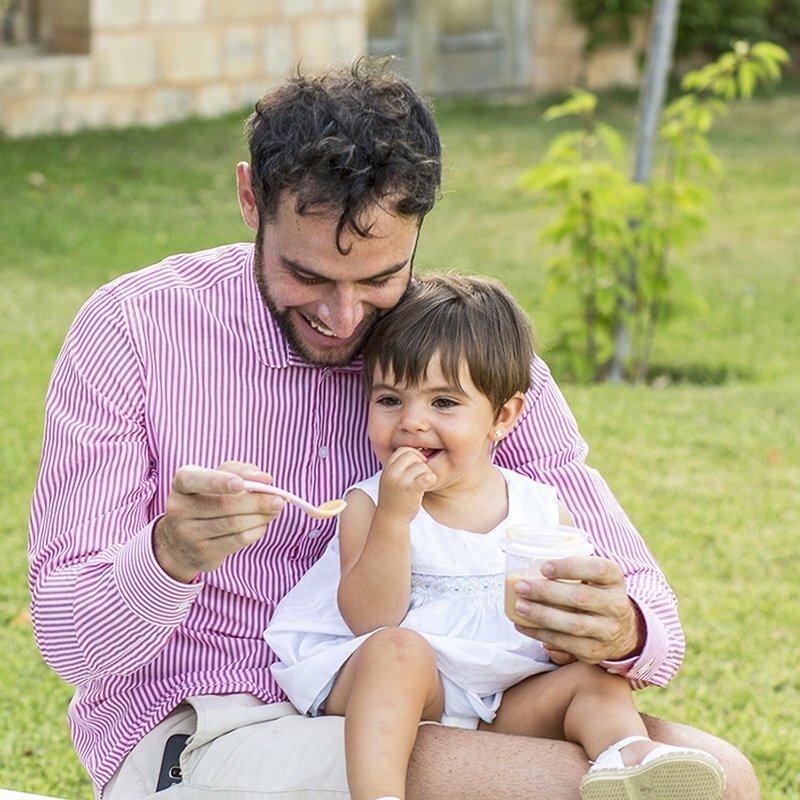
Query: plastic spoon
[[328, 509]]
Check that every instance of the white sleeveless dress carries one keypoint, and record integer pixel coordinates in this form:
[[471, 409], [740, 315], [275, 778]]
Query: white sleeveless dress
[[457, 585]]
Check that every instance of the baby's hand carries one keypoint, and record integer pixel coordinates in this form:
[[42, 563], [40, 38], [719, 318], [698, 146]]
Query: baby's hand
[[405, 479]]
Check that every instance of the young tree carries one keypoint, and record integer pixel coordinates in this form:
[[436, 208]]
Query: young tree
[[618, 235]]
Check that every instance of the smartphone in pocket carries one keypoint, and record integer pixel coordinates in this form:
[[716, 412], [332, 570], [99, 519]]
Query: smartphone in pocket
[[170, 772]]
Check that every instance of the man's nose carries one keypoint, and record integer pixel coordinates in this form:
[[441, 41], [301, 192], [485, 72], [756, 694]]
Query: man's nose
[[342, 312]]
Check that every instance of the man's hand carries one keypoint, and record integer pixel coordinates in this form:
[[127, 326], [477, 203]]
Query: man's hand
[[591, 621], [208, 516]]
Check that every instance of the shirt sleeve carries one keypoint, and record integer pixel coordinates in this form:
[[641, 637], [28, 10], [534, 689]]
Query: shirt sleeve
[[547, 446], [100, 602]]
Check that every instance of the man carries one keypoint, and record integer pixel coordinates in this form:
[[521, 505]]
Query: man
[[154, 574]]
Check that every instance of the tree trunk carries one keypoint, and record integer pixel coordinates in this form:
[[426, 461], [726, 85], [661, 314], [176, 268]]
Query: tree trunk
[[660, 47]]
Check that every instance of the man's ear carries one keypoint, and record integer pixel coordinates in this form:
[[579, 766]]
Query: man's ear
[[247, 200], [507, 415]]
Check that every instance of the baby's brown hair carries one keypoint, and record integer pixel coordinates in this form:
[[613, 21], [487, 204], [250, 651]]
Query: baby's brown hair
[[455, 317]]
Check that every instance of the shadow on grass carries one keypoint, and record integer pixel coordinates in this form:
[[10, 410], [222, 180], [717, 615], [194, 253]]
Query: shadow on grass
[[698, 375]]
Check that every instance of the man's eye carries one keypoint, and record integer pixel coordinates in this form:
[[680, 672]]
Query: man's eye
[[378, 283], [307, 280]]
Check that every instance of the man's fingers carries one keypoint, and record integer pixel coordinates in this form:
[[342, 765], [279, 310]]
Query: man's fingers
[[241, 526], [226, 479], [191, 480], [590, 569], [199, 507]]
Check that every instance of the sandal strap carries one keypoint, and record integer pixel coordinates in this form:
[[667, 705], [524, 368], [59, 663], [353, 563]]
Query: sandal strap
[[617, 746], [611, 758]]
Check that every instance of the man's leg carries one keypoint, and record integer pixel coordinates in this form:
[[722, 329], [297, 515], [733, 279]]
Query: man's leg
[[277, 757], [238, 748], [447, 763]]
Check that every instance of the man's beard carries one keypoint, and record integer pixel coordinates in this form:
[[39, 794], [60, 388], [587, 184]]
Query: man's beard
[[321, 357]]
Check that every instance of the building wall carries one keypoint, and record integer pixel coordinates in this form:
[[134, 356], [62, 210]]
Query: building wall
[[112, 63], [557, 60]]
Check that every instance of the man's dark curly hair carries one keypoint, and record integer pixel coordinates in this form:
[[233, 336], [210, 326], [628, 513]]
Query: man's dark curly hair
[[345, 140]]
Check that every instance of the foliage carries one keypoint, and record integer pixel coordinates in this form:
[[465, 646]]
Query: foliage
[[618, 238], [608, 21], [707, 26]]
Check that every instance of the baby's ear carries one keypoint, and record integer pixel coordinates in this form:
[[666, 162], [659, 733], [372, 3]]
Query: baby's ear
[[508, 414]]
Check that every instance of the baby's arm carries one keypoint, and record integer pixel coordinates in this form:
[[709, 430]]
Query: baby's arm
[[375, 544]]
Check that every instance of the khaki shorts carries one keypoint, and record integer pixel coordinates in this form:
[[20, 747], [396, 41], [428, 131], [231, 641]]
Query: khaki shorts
[[239, 748]]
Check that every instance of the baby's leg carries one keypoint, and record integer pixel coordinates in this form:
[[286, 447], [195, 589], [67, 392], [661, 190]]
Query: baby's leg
[[386, 687], [587, 705], [577, 702]]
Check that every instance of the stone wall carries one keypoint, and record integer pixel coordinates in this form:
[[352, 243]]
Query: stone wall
[[557, 59], [112, 63]]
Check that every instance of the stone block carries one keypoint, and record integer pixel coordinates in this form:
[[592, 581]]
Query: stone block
[[241, 51], [176, 12], [64, 73], [349, 38], [298, 8], [554, 29], [245, 95], [189, 56], [27, 116], [116, 13], [168, 105], [348, 6], [84, 110], [124, 59], [553, 74], [211, 101], [612, 66], [314, 43], [278, 55], [241, 10], [19, 76]]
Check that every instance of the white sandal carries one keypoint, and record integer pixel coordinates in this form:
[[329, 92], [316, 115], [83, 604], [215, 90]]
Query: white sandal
[[665, 773]]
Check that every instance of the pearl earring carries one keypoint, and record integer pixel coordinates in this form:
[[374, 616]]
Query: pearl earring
[[498, 434]]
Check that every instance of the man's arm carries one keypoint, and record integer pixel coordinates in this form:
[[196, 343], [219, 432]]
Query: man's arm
[[100, 602], [546, 445], [108, 588]]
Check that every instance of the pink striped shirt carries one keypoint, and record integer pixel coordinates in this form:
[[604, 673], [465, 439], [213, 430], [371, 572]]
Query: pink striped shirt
[[181, 364]]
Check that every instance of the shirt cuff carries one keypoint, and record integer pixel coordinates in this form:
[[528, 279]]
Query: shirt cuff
[[641, 669], [146, 589]]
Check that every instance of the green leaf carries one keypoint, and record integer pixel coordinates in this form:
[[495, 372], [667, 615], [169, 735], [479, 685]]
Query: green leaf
[[747, 80]]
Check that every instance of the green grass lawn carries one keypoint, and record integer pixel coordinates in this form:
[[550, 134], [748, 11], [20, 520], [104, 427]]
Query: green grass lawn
[[709, 469]]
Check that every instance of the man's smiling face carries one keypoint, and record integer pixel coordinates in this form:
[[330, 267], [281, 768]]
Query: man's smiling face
[[325, 300]]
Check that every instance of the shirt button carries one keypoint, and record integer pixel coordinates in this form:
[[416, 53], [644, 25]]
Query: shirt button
[[314, 533], [323, 452]]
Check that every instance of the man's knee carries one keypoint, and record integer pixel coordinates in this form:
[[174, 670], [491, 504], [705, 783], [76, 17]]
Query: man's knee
[[741, 779]]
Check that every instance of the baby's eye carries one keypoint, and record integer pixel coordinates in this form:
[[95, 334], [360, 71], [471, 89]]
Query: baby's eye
[[388, 401], [444, 402]]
